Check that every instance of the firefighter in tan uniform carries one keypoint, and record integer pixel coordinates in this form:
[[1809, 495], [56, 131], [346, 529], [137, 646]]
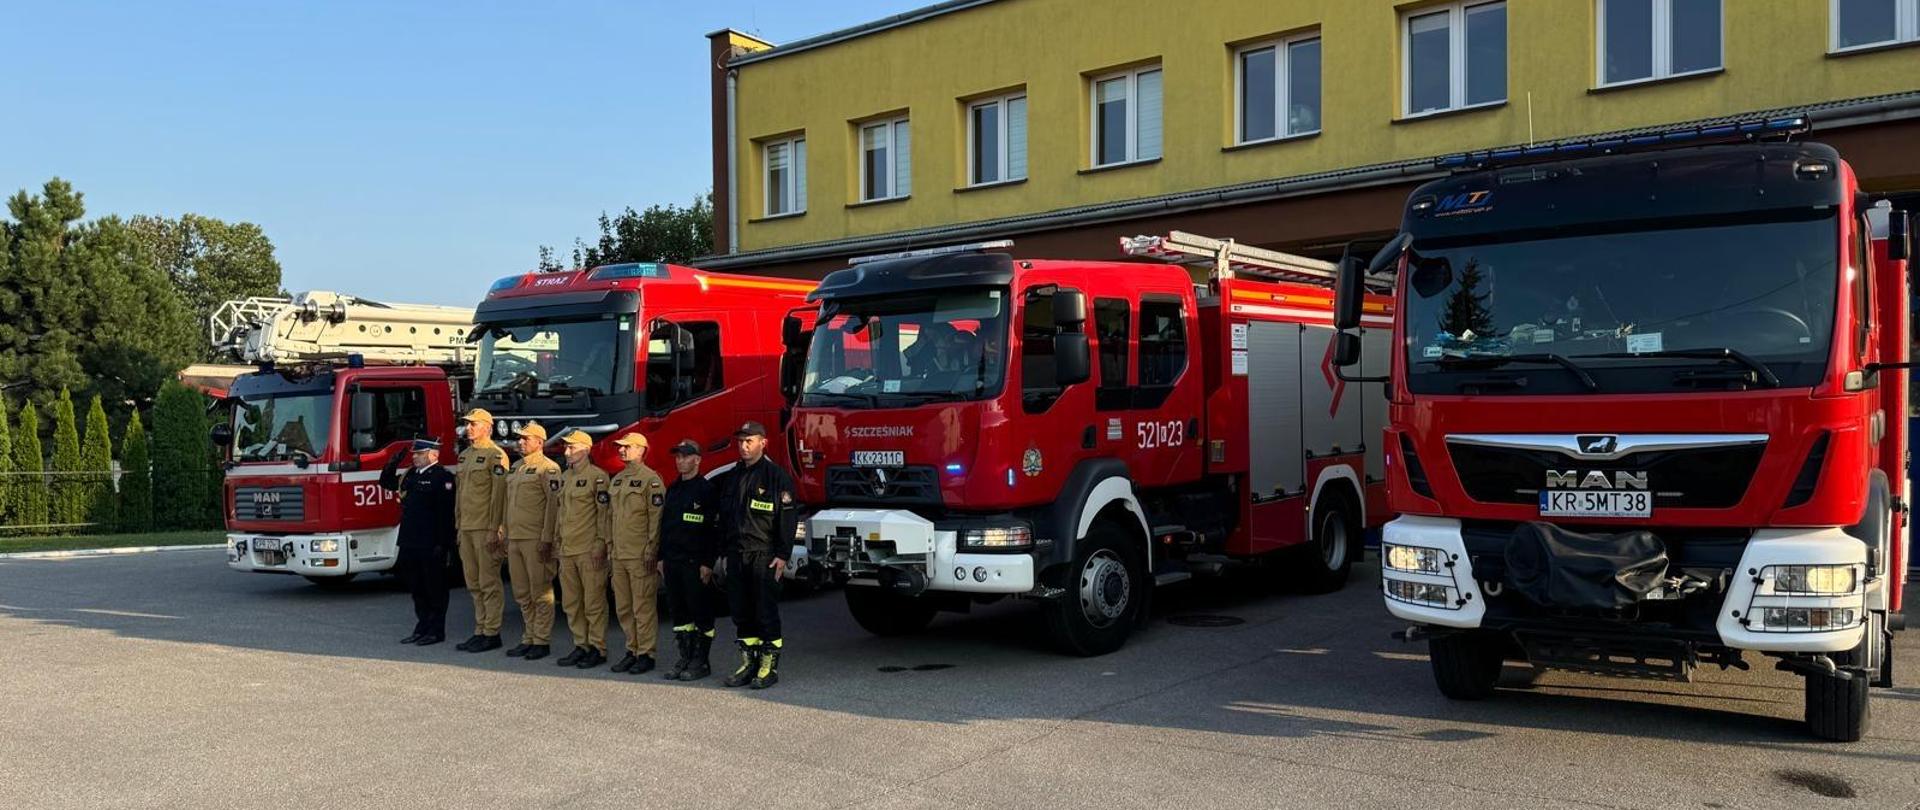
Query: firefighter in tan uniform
[[530, 553], [638, 494], [577, 520], [482, 478]]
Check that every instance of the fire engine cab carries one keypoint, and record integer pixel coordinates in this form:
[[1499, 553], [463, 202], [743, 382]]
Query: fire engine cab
[[974, 426]]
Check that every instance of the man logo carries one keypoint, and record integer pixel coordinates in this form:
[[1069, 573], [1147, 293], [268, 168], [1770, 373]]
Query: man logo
[[1597, 445]]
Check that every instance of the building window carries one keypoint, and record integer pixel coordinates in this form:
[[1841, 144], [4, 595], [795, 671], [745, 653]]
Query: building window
[[1867, 23], [786, 177], [997, 140], [886, 160], [1279, 89], [1456, 57], [1642, 40], [1126, 117]]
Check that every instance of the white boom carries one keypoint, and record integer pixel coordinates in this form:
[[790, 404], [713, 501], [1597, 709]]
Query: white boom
[[320, 325], [1228, 258]]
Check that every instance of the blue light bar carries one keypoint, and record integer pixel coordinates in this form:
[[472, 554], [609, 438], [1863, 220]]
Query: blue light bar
[[506, 283], [953, 469], [1615, 144], [613, 272]]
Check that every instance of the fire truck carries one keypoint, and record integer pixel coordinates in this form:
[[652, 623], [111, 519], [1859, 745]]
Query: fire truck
[[339, 385], [974, 426], [1646, 413]]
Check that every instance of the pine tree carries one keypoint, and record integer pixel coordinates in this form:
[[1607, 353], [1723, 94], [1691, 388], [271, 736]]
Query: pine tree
[[1467, 309], [96, 457], [182, 460], [30, 494], [7, 488], [69, 504], [136, 479]]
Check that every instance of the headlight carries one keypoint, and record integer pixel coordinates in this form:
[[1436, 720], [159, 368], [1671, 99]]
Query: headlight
[[1421, 593], [1416, 559], [325, 545], [1789, 620], [1001, 537], [1827, 580]]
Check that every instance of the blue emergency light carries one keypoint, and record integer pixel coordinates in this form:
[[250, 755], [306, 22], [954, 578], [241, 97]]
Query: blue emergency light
[[506, 283], [614, 272], [1617, 144]]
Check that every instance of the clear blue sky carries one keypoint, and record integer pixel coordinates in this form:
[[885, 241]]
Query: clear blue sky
[[412, 151]]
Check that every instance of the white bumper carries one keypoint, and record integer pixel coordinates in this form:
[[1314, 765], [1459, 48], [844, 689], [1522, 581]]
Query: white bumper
[[896, 538], [304, 554], [1769, 547]]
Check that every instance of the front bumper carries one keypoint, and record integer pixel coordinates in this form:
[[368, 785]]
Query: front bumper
[[1748, 593], [296, 554], [903, 550]]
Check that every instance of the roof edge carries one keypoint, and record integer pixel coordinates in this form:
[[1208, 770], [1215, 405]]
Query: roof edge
[[902, 19]]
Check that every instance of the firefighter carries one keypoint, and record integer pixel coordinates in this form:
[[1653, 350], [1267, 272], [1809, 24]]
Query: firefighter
[[757, 520], [523, 527], [688, 546], [638, 494], [577, 521], [483, 478], [426, 493]]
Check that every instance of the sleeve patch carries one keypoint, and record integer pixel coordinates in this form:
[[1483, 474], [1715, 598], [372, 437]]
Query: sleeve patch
[[659, 499], [554, 485], [602, 497]]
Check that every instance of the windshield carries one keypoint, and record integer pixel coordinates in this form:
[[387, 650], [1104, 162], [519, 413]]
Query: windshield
[[948, 345], [581, 356], [282, 428], [1627, 308]]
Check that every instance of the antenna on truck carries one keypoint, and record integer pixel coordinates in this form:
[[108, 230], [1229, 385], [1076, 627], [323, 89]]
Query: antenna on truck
[[1228, 258]]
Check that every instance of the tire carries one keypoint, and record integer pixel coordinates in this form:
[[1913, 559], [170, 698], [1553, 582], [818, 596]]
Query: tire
[[1106, 586], [338, 583], [884, 613], [1837, 709], [1466, 666], [1323, 564]]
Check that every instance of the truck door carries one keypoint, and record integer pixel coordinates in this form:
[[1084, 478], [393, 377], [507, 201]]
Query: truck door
[[382, 419], [694, 389], [1148, 395]]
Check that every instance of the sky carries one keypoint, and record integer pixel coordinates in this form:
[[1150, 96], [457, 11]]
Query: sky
[[405, 151]]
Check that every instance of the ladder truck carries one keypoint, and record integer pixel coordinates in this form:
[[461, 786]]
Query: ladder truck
[[338, 385], [974, 426]]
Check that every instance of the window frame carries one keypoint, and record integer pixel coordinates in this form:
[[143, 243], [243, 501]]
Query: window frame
[[1004, 103], [1456, 58], [1662, 37], [703, 331], [1282, 87], [1132, 77], [384, 419], [1154, 394], [1113, 394], [892, 125], [1906, 28], [795, 185]]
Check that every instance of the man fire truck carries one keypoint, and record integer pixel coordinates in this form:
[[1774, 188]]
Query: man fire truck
[[342, 383], [1639, 420], [976, 426]]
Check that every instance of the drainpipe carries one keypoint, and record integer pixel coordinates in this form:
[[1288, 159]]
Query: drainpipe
[[733, 167]]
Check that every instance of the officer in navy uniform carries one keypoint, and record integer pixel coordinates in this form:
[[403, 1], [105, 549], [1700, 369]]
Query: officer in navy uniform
[[426, 536], [758, 518]]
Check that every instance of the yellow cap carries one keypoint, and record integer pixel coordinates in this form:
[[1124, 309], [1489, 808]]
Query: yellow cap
[[578, 438], [632, 440], [477, 415], [535, 430]]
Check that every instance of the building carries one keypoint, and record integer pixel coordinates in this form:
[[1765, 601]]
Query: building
[[1289, 124]]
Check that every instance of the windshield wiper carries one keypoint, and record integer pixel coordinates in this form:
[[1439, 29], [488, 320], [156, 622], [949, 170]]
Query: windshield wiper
[[510, 383], [869, 400], [1761, 372], [1498, 360]]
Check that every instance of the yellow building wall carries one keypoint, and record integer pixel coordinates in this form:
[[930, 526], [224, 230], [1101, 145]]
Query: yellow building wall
[[1775, 55]]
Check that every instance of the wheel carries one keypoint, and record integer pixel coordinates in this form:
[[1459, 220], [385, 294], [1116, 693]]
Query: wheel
[[1106, 593], [1323, 564], [1836, 708], [1466, 666], [884, 613], [338, 583]]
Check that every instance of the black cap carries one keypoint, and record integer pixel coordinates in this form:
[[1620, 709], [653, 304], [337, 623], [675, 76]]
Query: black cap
[[425, 444], [750, 429], [686, 447]]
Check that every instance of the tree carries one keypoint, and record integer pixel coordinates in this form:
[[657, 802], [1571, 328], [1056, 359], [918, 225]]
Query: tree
[[1466, 309], [30, 487], [182, 460], [662, 233], [136, 482], [69, 503], [7, 482], [43, 297], [209, 260], [96, 457]]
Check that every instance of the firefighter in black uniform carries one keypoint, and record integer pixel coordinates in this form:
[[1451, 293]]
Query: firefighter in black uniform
[[758, 516], [426, 536], [689, 544]]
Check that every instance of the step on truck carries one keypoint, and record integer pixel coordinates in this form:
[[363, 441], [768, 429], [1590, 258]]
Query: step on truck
[[338, 385], [1645, 416], [972, 426]]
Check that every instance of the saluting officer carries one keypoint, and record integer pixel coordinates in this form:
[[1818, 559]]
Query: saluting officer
[[757, 520], [638, 495], [523, 527], [689, 544], [426, 533], [483, 478], [577, 518]]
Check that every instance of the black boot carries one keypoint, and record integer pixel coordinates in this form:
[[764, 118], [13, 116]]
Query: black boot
[[536, 652], [749, 663], [625, 662], [593, 658], [769, 672], [698, 665], [519, 650], [683, 644], [572, 658], [642, 664], [486, 643], [469, 644]]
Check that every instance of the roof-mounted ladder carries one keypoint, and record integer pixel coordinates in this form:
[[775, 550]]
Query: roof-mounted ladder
[[1228, 258]]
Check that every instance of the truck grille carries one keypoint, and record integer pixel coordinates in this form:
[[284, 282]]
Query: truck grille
[[286, 503], [1696, 478], [903, 486]]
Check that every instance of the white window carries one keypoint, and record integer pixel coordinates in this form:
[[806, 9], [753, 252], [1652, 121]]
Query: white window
[[786, 176], [997, 140], [1867, 23], [1456, 57], [1642, 40], [886, 160], [1279, 85], [1126, 117]]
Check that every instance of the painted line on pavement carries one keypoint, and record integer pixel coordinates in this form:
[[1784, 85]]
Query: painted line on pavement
[[100, 552]]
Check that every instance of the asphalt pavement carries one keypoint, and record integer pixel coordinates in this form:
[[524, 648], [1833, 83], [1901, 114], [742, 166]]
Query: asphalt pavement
[[166, 680]]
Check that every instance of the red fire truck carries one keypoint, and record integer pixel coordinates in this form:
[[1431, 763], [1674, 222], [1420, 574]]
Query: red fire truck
[[1639, 420], [975, 426]]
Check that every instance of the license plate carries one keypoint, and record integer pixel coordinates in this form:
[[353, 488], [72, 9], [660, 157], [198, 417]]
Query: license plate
[[270, 558], [1595, 503], [879, 458]]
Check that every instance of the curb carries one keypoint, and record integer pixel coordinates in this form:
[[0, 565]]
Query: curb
[[100, 552]]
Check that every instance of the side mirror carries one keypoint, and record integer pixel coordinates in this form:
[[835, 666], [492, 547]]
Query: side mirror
[[1072, 357], [1899, 235], [360, 412], [1346, 349], [792, 367], [1390, 254], [1069, 307], [221, 435], [1349, 293]]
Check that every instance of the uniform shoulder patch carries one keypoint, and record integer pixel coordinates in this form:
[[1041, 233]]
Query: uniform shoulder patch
[[786, 497], [659, 499], [601, 497], [554, 485]]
